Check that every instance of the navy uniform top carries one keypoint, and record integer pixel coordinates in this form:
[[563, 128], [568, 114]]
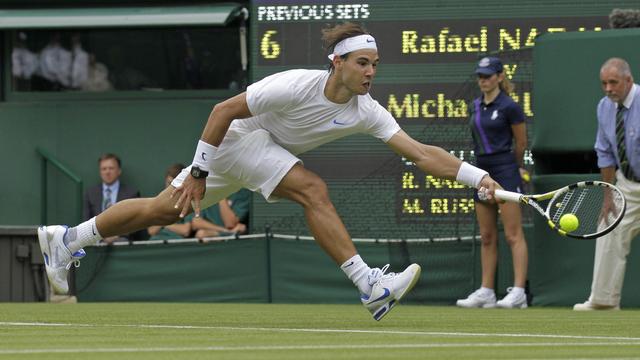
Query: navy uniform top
[[491, 124]]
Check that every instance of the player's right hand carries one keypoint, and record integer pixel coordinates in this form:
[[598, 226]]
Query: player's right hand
[[487, 188], [191, 192]]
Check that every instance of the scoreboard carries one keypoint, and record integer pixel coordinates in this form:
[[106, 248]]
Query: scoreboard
[[428, 51]]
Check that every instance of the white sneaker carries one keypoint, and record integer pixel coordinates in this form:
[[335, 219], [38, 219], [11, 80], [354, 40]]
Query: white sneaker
[[589, 306], [478, 299], [513, 301], [57, 257], [388, 289]]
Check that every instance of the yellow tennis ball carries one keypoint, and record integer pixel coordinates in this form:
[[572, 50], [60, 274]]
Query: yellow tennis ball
[[569, 222]]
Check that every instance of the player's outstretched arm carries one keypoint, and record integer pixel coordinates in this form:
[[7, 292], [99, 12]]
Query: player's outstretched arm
[[437, 162], [221, 117], [430, 159], [192, 189]]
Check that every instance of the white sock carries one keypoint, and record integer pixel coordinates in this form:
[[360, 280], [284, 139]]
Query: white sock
[[486, 291], [85, 234], [517, 290], [357, 270]]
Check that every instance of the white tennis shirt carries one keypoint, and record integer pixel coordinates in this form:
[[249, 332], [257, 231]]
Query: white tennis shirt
[[292, 107]]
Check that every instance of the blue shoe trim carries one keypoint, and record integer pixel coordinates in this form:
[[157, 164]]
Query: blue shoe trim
[[66, 231], [46, 258], [79, 254], [383, 310], [383, 296]]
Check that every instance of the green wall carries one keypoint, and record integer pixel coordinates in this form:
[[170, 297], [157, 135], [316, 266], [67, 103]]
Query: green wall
[[276, 270], [567, 85], [148, 134]]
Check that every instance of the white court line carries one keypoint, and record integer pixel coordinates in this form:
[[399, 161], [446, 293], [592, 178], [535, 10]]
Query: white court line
[[304, 347], [357, 331]]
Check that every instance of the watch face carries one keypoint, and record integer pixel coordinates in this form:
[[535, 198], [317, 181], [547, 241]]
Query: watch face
[[197, 173]]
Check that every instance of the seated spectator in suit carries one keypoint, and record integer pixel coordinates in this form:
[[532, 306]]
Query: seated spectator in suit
[[229, 216], [99, 197], [182, 228]]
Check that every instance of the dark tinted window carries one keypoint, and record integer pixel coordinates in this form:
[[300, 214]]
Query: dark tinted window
[[127, 59]]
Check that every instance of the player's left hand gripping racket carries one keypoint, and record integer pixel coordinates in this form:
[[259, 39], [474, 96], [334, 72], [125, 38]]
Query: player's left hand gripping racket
[[597, 205]]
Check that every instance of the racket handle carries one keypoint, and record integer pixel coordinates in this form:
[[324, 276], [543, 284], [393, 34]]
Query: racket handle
[[508, 195]]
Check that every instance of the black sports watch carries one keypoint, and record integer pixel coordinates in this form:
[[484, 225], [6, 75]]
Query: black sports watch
[[198, 173]]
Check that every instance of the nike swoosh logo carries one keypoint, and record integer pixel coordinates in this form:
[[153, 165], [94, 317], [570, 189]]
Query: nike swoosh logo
[[349, 264], [383, 296], [93, 231], [370, 40], [203, 154], [335, 121]]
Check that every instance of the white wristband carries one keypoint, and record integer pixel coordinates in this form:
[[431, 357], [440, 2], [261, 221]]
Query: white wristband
[[470, 175], [204, 155]]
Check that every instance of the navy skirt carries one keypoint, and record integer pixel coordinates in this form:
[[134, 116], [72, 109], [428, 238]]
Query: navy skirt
[[503, 168]]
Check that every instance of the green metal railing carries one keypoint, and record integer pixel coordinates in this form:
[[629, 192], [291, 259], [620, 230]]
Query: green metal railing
[[48, 158]]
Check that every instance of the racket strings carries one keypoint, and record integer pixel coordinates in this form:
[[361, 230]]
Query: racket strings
[[581, 196], [591, 206], [561, 207], [585, 204]]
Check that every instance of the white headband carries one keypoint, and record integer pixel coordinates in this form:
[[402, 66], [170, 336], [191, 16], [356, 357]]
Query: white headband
[[352, 44]]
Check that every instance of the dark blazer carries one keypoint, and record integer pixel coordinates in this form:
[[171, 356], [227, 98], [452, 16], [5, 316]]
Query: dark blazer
[[93, 199], [93, 203]]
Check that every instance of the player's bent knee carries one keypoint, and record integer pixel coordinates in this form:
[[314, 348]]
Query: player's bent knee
[[304, 187], [316, 193]]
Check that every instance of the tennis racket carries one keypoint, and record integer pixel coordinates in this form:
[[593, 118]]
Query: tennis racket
[[598, 207]]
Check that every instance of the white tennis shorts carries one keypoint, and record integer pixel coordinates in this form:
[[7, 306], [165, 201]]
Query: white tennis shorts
[[254, 161]]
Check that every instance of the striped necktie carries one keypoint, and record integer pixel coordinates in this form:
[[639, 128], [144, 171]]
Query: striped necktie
[[106, 200], [622, 148]]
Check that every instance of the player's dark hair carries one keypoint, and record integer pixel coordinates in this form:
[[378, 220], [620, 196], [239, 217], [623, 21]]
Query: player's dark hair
[[331, 36], [109, 156], [624, 18]]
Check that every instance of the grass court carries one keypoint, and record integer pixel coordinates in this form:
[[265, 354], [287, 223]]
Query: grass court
[[286, 331]]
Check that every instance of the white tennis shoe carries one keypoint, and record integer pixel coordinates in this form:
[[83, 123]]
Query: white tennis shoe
[[478, 299], [513, 300], [388, 289], [589, 306], [57, 257]]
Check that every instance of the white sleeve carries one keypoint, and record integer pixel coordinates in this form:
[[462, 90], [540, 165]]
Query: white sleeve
[[380, 123], [272, 93]]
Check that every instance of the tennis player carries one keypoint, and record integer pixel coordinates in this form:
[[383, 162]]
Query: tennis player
[[252, 140]]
